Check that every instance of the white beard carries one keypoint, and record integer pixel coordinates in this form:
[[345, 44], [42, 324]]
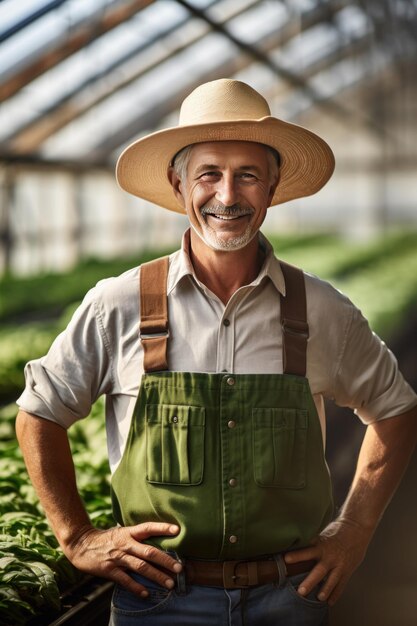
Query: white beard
[[210, 238]]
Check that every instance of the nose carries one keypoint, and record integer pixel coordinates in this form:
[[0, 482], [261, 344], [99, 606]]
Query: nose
[[226, 191]]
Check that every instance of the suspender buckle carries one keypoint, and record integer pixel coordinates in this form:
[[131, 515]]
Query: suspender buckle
[[295, 327], [157, 335]]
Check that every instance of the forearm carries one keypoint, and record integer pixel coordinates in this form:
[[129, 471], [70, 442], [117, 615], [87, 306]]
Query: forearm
[[341, 546], [48, 459], [107, 553], [385, 453]]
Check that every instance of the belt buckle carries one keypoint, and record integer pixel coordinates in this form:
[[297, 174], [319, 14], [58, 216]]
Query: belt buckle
[[230, 577]]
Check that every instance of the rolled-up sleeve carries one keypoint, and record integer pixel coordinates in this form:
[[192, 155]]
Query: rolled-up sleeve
[[367, 378], [62, 385]]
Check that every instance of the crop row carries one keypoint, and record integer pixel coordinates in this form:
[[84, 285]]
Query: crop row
[[380, 278], [50, 294], [33, 570]]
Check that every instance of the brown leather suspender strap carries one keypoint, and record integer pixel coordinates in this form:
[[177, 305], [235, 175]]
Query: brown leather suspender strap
[[294, 321], [154, 314], [154, 317]]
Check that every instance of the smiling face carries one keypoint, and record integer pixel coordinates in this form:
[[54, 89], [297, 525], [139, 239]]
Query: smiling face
[[226, 191]]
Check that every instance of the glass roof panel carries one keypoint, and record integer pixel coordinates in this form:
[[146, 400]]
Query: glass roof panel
[[306, 46], [352, 20], [28, 43], [250, 26], [334, 80], [132, 79], [12, 12], [140, 97], [209, 53], [87, 63]]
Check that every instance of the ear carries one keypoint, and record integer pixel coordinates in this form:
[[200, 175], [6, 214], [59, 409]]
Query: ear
[[176, 185]]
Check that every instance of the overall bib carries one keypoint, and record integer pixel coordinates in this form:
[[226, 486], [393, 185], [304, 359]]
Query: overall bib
[[236, 461]]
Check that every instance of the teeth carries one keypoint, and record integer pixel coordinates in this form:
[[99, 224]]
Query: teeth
[[226, 217]]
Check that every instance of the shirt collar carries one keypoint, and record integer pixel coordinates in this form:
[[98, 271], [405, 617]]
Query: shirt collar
[[180, 263], [181, 266], [271, 267]]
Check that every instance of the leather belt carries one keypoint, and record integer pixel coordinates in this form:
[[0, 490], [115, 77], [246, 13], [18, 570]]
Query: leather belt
[[239, 574]]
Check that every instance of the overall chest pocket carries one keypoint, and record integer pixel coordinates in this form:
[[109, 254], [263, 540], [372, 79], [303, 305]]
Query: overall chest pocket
[[280, 447], [174, 444]]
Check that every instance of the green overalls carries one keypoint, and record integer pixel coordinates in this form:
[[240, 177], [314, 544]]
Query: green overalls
[[236, 461]]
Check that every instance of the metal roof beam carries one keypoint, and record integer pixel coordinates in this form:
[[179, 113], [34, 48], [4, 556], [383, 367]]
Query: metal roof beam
[[149, 119], [230, 66], [50, 120], [346, 49], [37, 163], [29, 19], [291, 77], [81, 37], [394, 24], [153, 116], [99, 157], [328, 105], [31, 137]]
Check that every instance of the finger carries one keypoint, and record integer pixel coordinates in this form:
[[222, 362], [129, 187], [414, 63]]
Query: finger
[[122, 578], [336, 591], [313, 579], [152, 529], [134, 558], [332, 581], [154, 555], [150, 553], [305, 554], [147, 570]]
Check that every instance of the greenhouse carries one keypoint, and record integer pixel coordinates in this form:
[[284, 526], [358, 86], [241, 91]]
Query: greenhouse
[[79, 82]]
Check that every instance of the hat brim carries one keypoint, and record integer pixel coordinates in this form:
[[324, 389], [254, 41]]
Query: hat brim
[[307, 161]]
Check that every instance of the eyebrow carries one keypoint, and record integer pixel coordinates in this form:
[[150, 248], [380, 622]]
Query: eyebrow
[[213, 166], [206, 166]]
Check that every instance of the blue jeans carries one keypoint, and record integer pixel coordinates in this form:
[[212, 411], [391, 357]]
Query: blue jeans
[[266, 605]]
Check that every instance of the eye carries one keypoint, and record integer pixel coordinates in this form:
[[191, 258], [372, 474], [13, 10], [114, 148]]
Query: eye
[[209, 176], [247, 176]]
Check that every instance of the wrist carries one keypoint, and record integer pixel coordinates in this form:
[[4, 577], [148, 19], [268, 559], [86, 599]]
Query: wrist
[[366, 528], [70, 539]]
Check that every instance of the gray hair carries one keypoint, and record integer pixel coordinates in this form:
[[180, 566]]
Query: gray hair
[[182, 159]]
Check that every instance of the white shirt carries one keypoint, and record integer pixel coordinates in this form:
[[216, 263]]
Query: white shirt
[[100, 351]]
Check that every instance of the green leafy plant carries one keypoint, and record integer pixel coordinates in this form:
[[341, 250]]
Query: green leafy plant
[[34, 572]]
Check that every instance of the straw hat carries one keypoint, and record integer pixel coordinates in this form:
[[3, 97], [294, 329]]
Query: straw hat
[[224, 110]]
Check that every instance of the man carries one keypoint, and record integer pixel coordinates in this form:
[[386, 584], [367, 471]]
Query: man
[[220, 487]]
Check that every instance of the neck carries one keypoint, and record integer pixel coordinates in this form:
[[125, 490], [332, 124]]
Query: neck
[[224, 272]]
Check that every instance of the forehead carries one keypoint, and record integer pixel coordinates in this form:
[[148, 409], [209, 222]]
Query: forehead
[[224, 153]]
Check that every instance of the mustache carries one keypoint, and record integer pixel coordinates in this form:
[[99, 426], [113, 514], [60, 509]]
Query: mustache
[[234, 210]]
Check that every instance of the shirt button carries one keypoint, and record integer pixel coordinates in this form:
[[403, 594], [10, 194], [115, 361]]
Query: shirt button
[[231, 424], [175, 419], [233, 482], [230, 381], [226, 322], [233, 539]]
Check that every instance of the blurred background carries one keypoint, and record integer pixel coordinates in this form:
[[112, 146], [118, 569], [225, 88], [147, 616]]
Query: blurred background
[[80, 79]]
